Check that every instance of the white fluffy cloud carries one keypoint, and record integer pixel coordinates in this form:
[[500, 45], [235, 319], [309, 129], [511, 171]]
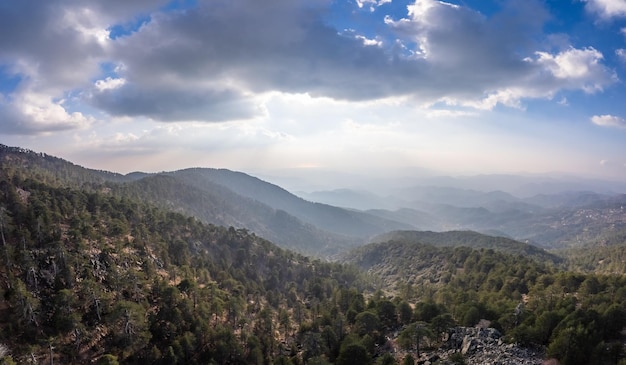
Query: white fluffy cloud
[[109, 84], [607, 9], [33, 113], [609, 121], [578, 68], [371, 3]]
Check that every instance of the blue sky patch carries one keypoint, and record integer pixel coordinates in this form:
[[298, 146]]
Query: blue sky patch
[[8, 80]]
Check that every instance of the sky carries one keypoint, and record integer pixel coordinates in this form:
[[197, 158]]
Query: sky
[[359, 86]]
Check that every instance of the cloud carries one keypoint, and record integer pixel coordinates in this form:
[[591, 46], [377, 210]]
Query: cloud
[[203, 141], [372, 3], [369, 42], [282, 46], [109, 84], [606, 9], [51, 48], [287, 47], [621, 54], [475, 55], [173, 104], [609, 121], [577, 69], [55, 46], [211, 62], [37, 114], [439, 113]]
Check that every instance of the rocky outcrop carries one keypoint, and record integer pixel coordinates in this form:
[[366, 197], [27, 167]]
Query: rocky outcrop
[[482, 346]]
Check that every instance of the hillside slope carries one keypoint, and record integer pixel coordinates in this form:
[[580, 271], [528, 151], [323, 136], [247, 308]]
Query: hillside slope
[[219, 205], [90, 276]]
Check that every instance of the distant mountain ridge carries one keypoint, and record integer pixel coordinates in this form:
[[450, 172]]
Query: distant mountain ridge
[[221, 197], [224, 197], [219, 205], [329, 218], [555, 221]]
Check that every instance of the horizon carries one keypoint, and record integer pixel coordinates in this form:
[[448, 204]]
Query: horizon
[[306, 185], [363, 88]]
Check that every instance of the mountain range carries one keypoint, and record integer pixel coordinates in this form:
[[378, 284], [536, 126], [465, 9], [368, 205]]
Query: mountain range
[[567, 219], [176, 268]]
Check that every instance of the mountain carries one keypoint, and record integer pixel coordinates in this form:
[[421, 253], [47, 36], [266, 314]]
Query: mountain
[[526, 185], [103, 268], [221, 197], [537, 303], [416, 196], [216, 204], [326, 217], [567, 199], [454, 196], [568, 219], [93, 277], [402, 263]]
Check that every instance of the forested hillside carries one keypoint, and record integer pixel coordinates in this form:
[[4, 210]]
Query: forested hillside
[[469, 239], [97, 267], [220, 197], [219, 205], [605, 259], [578, 317], [53, 170], [88, 276]]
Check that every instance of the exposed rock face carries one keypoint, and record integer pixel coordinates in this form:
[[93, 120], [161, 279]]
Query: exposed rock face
[[485, 346]]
